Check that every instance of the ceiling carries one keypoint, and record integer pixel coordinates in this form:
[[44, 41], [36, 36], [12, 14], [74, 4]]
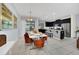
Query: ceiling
[[47, 10]]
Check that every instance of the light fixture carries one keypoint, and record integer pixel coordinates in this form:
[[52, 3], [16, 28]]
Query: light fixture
[[30, 17]]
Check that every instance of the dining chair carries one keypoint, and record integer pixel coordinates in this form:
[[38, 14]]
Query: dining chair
[[45, 38], [27, 38], [39, 43]]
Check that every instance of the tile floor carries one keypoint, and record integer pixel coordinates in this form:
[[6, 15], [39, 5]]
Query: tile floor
[[53, 46]]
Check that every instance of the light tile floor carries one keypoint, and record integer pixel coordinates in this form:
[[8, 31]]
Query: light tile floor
[[66, 46]]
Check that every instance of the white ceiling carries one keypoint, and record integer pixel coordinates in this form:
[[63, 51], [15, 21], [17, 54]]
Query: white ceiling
[[47, 10]]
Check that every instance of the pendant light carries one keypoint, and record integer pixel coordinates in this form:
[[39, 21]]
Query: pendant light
[[30, 17]]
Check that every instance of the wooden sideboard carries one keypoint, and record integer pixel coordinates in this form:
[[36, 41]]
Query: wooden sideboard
[[2, 40]]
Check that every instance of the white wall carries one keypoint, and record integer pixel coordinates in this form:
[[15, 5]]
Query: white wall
[[12, 34], [77, 21], [37, 23], [23, 27], [73, 26], [77, 25]]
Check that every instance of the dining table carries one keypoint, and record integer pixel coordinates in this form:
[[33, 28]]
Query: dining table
[[37, 36], [38, 39]]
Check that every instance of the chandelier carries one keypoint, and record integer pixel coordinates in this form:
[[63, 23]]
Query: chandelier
[[30, 17]]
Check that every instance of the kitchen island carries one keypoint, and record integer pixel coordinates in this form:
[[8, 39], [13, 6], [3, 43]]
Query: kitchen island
[[58, 34]]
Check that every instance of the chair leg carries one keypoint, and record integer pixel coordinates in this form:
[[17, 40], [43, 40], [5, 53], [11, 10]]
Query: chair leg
[[33, 47], [46, 43]]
